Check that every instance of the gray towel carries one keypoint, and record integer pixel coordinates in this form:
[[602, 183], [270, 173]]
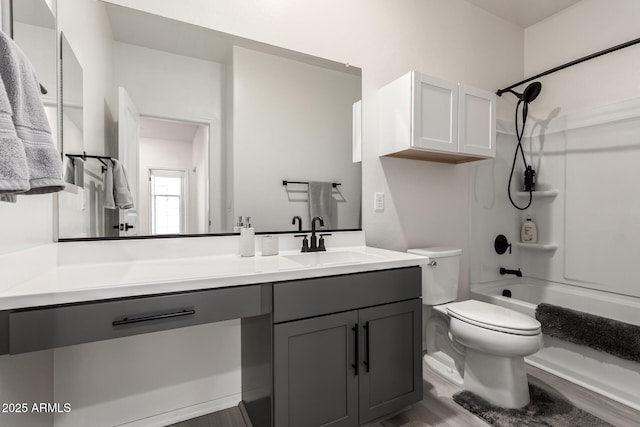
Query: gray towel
[[121, 191], [74, 171], [69, 172], [321, 202], [78, 172], [44, 167], [108, 202], [14, 175]]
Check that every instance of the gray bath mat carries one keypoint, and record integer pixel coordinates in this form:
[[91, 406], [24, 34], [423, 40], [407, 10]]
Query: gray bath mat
[[611, 336], [401, 420], [544, 410]]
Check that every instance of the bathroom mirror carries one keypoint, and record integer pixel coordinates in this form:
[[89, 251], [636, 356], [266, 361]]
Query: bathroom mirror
[[5, 16], [207, 127], [72, 205], [33, 28]]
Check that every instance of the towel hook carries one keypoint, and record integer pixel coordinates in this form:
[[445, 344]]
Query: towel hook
[[103, 168]]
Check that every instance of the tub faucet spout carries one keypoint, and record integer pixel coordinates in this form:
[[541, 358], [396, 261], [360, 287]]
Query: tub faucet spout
[[504, 271]]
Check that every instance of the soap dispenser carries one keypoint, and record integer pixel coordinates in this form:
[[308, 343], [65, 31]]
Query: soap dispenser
[[239, 225], [529, 231], [247, 239]]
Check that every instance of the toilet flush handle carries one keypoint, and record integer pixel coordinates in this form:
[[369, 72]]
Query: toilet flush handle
[[433, 263]]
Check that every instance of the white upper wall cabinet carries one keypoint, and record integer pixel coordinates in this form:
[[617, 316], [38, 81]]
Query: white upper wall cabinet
[[435, 113], [432, 119], [477, 122]]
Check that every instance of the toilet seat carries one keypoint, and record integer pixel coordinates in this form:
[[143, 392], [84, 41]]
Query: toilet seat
[[494, 317]]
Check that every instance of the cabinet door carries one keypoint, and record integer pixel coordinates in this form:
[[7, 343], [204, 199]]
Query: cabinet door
[[391, 348], [477, 122], [435, 114], [315, 382]]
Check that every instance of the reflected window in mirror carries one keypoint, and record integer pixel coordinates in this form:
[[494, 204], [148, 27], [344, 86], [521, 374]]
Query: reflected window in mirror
[[168, 196]]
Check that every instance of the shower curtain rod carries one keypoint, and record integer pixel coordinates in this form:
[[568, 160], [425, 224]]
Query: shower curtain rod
[[569, 64]]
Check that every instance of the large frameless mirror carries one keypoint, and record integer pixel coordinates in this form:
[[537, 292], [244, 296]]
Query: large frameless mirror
[[206, 128]]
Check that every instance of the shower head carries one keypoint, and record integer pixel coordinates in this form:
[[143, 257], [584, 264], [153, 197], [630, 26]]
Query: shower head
[[530, 93]]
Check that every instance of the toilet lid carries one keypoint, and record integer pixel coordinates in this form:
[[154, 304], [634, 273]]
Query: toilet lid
[[494, 317]]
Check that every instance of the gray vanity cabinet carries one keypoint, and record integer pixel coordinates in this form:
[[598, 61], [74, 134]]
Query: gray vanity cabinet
[[391, 371], [314, 364], [337, 367]]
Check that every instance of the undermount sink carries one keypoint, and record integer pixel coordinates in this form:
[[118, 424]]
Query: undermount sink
[[331, 258]]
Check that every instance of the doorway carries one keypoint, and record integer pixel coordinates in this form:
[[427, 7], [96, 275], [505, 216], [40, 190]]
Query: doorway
[[173, 177]]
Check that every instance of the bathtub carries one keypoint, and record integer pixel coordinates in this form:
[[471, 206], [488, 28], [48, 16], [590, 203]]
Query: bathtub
[[615, 378]]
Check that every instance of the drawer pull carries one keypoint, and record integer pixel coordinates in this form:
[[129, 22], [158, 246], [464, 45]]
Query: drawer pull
[[356, 344], [128, 321], [366, 353]]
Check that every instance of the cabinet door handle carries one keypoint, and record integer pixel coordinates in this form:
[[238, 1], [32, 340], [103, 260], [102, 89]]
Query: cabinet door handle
[[128, 321], [356, 356], [366, 348]]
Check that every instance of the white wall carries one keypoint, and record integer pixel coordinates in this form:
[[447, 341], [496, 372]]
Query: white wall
[[26, 378], [129, 379], [585, 28], [39, 44], [168, 85], [291, 121]]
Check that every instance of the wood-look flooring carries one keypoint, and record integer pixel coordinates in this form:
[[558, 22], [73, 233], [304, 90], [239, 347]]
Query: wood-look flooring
[[228, 418], [437, 408]]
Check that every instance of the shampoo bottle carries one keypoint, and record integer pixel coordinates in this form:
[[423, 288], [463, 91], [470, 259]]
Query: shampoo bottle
[[247, 239], [529, 231]]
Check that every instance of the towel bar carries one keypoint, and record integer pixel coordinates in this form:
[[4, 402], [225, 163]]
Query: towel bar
[[285, 183]]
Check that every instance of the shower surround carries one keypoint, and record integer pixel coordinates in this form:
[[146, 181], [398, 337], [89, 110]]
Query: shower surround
[[585, 209]]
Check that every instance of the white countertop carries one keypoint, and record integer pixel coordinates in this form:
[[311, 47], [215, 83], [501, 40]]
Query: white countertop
[[114, 275]]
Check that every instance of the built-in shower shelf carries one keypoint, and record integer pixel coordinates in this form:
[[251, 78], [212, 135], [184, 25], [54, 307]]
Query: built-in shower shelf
[[538, 194], [550, 246]]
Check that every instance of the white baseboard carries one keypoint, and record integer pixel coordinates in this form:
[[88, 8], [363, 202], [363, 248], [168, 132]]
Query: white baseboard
[[182, 414]]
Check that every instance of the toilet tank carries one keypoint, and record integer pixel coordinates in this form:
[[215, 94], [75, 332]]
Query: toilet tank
[[439, 274]]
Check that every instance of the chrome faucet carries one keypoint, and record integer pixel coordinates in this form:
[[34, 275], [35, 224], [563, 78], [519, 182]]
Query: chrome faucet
[[297, 218]]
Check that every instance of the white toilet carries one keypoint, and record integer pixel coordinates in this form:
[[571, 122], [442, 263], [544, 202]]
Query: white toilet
[[477, 345]]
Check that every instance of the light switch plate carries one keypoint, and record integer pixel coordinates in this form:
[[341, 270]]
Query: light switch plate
[[378, 202]]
